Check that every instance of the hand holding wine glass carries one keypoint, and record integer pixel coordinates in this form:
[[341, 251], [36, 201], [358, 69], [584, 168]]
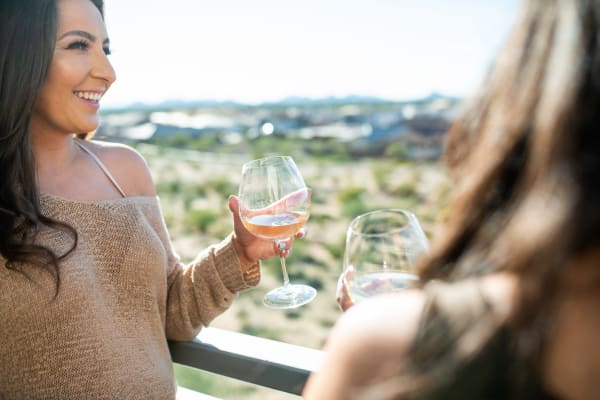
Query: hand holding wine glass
[[382, 248], [274, 205]]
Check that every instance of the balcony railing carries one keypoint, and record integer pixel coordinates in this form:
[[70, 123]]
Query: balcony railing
[[269, 363]]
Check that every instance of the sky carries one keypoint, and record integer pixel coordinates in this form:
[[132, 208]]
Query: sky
[[255, 51]]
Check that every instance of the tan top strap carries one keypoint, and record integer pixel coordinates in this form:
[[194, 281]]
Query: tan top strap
[[103, 168]]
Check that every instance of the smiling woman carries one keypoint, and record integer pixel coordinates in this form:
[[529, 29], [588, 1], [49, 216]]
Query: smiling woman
[[79, 74], [90, 286]]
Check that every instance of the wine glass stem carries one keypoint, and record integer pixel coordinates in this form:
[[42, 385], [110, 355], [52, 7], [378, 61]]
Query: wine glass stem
[[286, 278]]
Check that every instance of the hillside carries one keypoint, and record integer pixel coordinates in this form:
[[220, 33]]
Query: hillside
[[194, 186]]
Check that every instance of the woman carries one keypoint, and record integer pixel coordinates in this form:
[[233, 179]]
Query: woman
[[509, 301], [90, 288]]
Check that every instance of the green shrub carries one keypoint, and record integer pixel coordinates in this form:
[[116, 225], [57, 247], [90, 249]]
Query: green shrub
[[397, 150], [294, 313], [408, 189], [354, 208], [200, 219], [211, 384], [260, 331], [169, 187], [315, 282], [222, 186], [351, 194], [337, 250], [381, 173]]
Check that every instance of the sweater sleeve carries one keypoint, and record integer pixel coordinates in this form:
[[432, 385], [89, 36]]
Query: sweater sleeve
[[202, 290]]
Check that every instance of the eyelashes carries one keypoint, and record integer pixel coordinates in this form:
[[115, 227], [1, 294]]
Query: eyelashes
[[84, 45], [78, 45]]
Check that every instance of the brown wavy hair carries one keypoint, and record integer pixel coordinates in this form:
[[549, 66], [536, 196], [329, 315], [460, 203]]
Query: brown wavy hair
[[28, 31], [525, 156]]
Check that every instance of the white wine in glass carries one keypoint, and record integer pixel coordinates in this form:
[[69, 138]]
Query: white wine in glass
[[274, 205], [382, 248]]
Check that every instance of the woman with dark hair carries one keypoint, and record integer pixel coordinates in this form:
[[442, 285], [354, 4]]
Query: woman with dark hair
[[508, 301], [90, 288]]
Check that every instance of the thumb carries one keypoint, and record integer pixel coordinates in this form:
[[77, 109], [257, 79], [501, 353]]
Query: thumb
[[234, 205]]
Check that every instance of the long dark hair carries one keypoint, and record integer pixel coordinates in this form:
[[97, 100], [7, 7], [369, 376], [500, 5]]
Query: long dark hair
[[525, 155], [27, 38]]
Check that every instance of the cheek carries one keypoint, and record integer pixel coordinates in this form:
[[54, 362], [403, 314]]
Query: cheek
[[44, 102], [59, 85], [64, 75]]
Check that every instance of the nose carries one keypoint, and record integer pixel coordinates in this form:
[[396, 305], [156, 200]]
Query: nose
[[103, 69]]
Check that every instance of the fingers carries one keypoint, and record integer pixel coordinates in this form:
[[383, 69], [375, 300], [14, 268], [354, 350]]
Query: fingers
[[280, 248], [301, 234], [343, 296], [283, 248], [345, 301]]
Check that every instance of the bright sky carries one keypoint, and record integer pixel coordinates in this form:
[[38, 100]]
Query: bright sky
[[266, 50]]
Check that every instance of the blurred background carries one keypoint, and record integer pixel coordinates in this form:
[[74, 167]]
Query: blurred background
[[268, 50], [360, 93]]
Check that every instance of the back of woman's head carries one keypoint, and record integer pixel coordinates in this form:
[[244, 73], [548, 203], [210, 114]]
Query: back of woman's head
[[525, 157]]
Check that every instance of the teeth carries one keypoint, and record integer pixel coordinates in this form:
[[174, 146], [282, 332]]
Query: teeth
[[89, 95]]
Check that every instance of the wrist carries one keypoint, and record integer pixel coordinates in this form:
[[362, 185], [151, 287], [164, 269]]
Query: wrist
[[246, 263]]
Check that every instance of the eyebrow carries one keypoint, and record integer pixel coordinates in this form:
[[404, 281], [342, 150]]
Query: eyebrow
[[83, 34]]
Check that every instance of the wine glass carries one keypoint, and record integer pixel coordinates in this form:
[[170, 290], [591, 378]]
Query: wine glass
[[274, 203], [382, 248]]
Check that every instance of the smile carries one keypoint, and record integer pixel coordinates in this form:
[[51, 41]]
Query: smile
[[92, 96]]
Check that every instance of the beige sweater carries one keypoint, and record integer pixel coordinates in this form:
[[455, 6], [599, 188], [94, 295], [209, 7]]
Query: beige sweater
[[123, 293]]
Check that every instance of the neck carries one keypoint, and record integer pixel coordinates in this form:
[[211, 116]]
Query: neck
[[54, 156]]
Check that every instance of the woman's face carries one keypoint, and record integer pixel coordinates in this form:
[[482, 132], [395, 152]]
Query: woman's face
[[79, 73]]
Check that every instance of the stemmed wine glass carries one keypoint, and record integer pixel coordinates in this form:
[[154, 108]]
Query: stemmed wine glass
[[274, 205], [382, 248]]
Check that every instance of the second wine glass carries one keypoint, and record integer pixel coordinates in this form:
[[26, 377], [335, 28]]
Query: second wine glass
[[382, 249], [274, 205]]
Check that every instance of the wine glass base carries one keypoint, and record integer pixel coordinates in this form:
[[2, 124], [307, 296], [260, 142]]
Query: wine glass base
[[289, 296]]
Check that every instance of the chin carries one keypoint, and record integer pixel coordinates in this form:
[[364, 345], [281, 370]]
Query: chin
[[88, 127]]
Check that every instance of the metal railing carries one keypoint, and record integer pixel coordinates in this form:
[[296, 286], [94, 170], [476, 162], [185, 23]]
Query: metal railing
[[269, 363]]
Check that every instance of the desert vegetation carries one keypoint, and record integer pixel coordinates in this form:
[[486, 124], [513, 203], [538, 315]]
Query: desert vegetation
[[194, 184]]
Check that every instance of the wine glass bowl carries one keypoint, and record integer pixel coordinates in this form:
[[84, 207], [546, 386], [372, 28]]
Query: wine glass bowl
[[274, 205], [382, 249]]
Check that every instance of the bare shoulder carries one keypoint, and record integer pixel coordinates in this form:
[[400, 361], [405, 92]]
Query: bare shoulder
[[391, 319], [367, 344], [388, 324], [127, 165]]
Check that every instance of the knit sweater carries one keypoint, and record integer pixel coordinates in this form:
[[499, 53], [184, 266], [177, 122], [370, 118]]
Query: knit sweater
[[123, 293]]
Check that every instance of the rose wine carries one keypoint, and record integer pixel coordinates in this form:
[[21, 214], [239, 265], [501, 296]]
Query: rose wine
[[362, 286], [276, 226]]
